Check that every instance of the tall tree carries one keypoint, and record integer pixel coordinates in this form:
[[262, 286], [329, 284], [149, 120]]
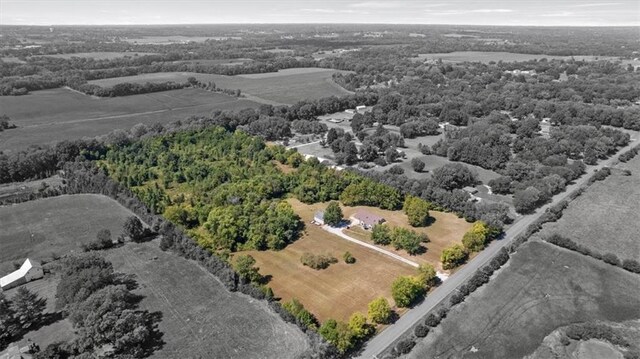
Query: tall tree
[[333, 214], [28, 307]]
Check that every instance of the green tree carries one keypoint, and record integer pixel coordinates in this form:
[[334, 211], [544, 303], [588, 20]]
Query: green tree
[[81, 276], [104, 238], [338, 334], [348, 258], [302, 315], [417, 211], [476, 238], [379, 311], [245, 266], [28, 307], [381, 234], [405, 290], [8, 324], [427, 275], [453, 256], [409, 240], [417, 165], [333, 214], [358, 325]]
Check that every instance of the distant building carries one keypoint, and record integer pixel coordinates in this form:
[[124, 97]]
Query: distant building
[[318, 218], [470, 190], [361, 108], [28, 272], [367, 219]]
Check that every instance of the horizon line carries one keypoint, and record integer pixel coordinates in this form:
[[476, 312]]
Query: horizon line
[[323, 23]]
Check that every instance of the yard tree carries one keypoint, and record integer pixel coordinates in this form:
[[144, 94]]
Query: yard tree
[[427, 275], [348, 258], [358, 325], [453, 256], [104, 238], [81, 276], [28, 307], [410, 241], [381, 234], [333, 214], [338, 334], [108, 300], [475, 239], [302, 315], [405, 290], [379, 311], [8, 324], [133, 228], [453, 175], [417, 165], [245, 266], [417, 211]]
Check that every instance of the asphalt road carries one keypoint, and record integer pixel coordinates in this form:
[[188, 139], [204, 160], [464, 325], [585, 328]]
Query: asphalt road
[[385, 339]]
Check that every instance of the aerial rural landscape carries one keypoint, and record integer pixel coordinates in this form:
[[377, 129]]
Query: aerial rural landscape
[[352, 182]]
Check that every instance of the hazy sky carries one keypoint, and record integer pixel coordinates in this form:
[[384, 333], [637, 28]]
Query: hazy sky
[[488, 12]]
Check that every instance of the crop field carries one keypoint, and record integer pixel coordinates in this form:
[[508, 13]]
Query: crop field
[[341, 289], [200, 317], [543, 287], [285, 87], [486, 57], [57, 225], [605, 217], [60, 114], [445, 230], [101, 55]]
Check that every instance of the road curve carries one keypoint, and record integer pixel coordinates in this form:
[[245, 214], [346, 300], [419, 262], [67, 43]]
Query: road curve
[[385, 339]]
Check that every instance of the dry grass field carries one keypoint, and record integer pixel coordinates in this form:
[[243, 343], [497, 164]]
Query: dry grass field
[[341, 289], [606, 218], [446, 229], [56, 225], [543, 287], [53, 115], [487, 56], [286, 86], [201, 319]]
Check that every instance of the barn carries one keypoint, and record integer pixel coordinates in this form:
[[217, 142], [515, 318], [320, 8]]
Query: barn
[[28, 272]]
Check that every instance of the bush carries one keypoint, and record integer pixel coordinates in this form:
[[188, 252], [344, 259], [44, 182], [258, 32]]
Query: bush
[[432, 320], [405, 346], [379, 311], [405, 290], [421, 331], [348, 258], [631, 265], [317, 262], [103, 241], [396, 170], [453, 256], [611, 259], [417, 164], [456, 298]]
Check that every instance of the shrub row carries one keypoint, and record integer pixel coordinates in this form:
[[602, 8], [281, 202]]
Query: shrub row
[[630, 265], [627, 156]]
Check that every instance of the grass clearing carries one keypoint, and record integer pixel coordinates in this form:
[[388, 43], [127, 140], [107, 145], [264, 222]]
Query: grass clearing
[[54, 115], [200, 317], [341, 289], [98, 55], [607, 214], [543, 287], [285, 86], [57, 225]]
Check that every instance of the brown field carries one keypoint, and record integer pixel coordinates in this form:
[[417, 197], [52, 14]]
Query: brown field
[[543, 287], [341, 289], [606, 218], [56, 225], [284, 87], [54, 115], [101, 55], [445, 230]]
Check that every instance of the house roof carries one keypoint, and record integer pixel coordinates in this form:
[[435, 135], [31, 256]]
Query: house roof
[[12, 277], [368, 218], [319, 214]]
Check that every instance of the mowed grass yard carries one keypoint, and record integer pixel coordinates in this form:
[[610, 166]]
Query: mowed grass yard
[[53, 115], [200, 317], [55, 226], [285, 86], [606, 218], [335, 292], [446, 229], [543, 287]]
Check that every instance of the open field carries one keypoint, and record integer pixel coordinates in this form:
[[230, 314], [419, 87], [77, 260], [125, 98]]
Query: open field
[[101, 55], [200, 317], [543, 287], [486, 57], [59, 225], [54, 115], [445, 230], [605, 217], [341, 289], [172, 39], [286, 86]]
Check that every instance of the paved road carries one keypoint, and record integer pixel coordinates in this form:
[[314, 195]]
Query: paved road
[[383, 340]]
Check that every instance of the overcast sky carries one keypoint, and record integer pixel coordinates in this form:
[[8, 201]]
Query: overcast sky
[[488, 12]]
